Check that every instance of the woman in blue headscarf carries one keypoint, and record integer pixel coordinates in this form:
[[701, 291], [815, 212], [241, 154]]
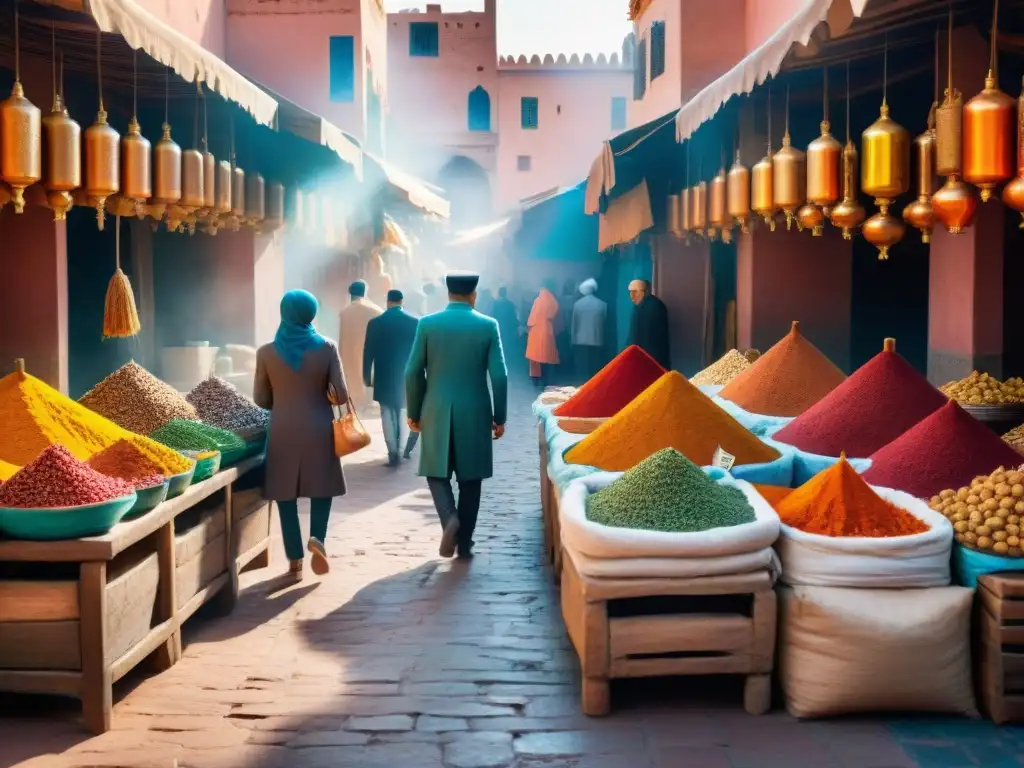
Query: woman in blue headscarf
[[298, 377]]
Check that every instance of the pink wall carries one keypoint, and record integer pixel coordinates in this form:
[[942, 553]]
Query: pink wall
[[763, 17], [575, 116], [286, 46], [202, 21], [664, 93], [428, 96]]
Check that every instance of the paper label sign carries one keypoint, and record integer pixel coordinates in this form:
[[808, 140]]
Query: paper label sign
[[722, 459]]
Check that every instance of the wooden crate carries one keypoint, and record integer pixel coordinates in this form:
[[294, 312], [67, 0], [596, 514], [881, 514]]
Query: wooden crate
[[625, 628], [999, 676], [39, 626], [200, 558], [133, 580], [250, 524]]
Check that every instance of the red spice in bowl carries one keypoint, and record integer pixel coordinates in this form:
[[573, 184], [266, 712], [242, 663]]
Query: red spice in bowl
[[57, 479], [613, 387], [945, 450], [879, 402]]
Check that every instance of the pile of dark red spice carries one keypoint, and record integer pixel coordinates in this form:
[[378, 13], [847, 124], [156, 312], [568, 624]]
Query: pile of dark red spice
[[945, 450], [613, 387], [58, 479], [879, 402]]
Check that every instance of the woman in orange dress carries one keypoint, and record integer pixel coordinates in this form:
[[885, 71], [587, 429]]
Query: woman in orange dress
[[541, 349]]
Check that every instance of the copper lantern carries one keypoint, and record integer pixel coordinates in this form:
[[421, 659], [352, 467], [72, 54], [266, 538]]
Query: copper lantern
[[718, 213], [848, 213], [824, 159], [919, 214], [685, 211], [700, 207], [1013, 193], [738, 193], [255, 201], [762, 190], [989, 130], [788, 176], [62, 169], [274, 218], [672, 224], [222, 201], [21, 134], [237, 197], [136, 170]]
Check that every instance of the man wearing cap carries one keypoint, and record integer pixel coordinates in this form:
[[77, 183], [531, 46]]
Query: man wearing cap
[[353, 320], [388, 343], [589, 315], [454, 354]]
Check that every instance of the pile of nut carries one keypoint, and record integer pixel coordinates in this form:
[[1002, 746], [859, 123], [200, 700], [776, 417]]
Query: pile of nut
[[982, 389], [727, 368], [220, 404], [986, 515], [136, 400]]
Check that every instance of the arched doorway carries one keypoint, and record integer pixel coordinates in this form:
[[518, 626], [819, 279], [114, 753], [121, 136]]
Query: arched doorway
[[466, 185]]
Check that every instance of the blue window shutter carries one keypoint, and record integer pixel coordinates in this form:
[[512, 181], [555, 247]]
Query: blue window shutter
[[343, 69], [657, 49], [640, 71], [618, 113], [423, 39], [529, 107], [479, 109]]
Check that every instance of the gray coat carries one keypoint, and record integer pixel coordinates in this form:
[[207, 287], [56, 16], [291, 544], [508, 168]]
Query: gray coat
[[300, 446], [588, 320]]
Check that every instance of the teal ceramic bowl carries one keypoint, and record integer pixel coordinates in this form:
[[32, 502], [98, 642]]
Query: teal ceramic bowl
[[178, 484], [205, 468], [228, 458], [148, 498], [65, 522]]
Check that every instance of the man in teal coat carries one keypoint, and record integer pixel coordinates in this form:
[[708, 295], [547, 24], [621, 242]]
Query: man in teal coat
[[454, 353]]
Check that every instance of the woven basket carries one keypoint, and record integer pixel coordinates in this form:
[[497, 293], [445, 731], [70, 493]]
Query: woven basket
[[580, 426]]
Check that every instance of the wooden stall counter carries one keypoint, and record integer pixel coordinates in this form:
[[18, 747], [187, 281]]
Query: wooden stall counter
[[78, 615]]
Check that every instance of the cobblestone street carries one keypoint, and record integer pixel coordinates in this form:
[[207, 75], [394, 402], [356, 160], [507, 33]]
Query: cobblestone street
[[401, 660]]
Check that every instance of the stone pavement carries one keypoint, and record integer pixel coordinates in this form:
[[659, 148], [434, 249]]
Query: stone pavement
[[401, 660]]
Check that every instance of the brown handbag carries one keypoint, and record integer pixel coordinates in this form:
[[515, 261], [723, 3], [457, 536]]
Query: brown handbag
[[349, 433]]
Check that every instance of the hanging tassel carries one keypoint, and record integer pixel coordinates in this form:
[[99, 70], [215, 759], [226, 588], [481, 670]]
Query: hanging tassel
[[120, 317]]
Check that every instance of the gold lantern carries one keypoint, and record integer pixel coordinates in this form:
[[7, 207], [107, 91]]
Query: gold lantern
[[738, 193], [237, 196], [1013, 193], [166, 165], [954, 204], [63, 145], [21, 134], [672, 223], [700, 207], [988, 129], [762, 183], [718, 211], [885, 173], [788, 175], [255, 200], [824, 158], [685, 211], [102, 152], [274, 218], [136, 156], [920, 214], [222, 201]]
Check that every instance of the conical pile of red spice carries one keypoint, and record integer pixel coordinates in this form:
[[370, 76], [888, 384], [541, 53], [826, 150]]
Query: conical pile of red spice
[[879, 402], [945, 450], [614, 386], [786, 380]]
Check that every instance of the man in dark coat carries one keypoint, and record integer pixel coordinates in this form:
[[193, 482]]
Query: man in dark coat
[[649, 327], [504, 311], [389, 340]]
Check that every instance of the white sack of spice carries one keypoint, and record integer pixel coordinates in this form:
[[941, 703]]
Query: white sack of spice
[[219, 404]]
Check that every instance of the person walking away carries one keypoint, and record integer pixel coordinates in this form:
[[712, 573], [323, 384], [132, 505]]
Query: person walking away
[[298, 377], [504, 312], [649, 326], [588, 320], [430, 303], [388, 343], [454, 354], [353, 320], [541, 348], [485, 303]]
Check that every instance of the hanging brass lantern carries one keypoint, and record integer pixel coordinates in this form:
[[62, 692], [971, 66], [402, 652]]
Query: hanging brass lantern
[[63, 145], [685, 211], [989, 128], [738, 193], [102, 153], [788, 175], [274, 218], [672, 224], [718, 211], [919, 214], [222, 201], [255, 200], [21, 134], [885, 173], [824, 159], [237, 198], [848, 212], [1013, 193], [762, 189], [700, 207], [136, 156], [954, 204]]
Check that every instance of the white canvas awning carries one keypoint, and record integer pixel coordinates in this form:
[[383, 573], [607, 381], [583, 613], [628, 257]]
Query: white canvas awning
[[144, 31], [418, 193], [765, 61]]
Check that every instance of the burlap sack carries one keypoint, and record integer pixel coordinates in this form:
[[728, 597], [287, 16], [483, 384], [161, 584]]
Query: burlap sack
[[875, 650]]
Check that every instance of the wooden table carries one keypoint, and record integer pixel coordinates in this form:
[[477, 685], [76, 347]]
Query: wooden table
[[77, 615]]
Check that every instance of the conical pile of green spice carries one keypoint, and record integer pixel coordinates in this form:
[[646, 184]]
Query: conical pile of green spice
[[185, 435], [668, 492]]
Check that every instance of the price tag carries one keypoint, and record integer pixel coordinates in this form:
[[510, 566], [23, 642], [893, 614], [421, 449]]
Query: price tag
[[722, 459]]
